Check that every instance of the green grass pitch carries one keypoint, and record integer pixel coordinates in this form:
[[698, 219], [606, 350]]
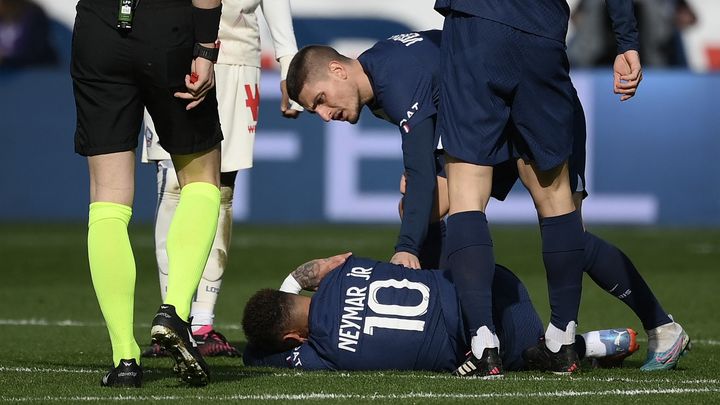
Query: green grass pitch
[[54, 347]]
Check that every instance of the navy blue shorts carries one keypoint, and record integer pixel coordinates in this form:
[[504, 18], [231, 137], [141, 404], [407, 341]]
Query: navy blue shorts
[[494, 76], [505, 174]]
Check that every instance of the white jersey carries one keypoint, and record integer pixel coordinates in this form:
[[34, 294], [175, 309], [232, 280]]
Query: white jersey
[[240, 36]]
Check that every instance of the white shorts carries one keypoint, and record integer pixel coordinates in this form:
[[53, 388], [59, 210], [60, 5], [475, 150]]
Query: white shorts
[[238, 104]]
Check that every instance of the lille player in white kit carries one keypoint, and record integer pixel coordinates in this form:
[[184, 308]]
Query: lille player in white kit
[[237, 75]]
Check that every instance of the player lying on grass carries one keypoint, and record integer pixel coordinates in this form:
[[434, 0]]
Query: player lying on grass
[[370, 315], [398, 79]]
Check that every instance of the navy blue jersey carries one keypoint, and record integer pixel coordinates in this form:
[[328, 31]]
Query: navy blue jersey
[[547, 18], [403, 72], [369, 315]]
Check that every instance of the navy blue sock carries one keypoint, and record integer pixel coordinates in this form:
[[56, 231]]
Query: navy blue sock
[[614, 272], [563, 252], [472, 265], [431, 252]]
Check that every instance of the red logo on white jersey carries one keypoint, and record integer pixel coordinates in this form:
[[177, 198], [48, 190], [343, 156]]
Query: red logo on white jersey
[[253, 100]]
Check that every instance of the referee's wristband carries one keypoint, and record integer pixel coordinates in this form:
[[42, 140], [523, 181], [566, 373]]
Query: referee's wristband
[[290, 285], [207, 23]]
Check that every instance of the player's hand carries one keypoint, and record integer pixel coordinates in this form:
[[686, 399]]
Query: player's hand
[[198, 85], [628, 74], [310, 274], [285, 105], [406, 259]]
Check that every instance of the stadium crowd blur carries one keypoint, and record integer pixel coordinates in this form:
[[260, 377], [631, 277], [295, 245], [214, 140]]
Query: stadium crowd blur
[[24, 35], [660, 24]]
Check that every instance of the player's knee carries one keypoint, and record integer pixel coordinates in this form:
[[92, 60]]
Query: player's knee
[[199, 167]]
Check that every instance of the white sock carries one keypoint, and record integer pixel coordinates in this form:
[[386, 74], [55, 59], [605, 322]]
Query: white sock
[[662, 338], [482, 340], [168, 199], [555, 338], [203, 306], [594, 347]]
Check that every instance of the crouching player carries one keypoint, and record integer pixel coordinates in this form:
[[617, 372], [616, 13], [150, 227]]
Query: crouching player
[[398, 79], [370, 315]]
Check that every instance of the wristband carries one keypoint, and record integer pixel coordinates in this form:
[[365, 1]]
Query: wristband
[[207, 23], [290, 285], [210, 54]]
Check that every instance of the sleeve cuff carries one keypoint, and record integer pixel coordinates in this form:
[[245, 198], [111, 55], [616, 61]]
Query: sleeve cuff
[[631, 47], [290, 285], [284, 65], [407, 249]]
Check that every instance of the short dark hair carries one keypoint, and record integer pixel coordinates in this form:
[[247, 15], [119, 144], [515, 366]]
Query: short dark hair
[[306, 64], [266, 318]]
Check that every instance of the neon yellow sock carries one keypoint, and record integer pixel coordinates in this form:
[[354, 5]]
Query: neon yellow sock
[[189, 240], [112, 267]]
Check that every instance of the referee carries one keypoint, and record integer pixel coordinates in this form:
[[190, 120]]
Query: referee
[[159, 54]]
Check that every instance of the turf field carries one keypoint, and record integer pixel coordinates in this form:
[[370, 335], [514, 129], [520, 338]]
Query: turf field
[[54, 347]]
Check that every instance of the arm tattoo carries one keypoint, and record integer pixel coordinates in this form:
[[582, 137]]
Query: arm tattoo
[[307, 274]]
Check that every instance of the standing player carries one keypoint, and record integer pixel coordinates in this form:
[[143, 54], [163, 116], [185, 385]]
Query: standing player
[[504, 61], [238, 76], [397, 73], [148, 50], [369, 315]]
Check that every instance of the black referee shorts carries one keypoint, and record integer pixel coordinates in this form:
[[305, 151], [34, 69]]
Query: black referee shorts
[[116, 74]]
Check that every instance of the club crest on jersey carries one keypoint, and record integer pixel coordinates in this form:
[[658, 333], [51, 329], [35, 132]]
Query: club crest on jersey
[[409, 113]]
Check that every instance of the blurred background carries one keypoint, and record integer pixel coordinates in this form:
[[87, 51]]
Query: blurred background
[[651, 161]]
